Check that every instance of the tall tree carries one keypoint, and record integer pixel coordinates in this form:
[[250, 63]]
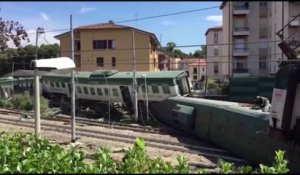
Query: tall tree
[[170, 46], [11, 30], [201, 53]]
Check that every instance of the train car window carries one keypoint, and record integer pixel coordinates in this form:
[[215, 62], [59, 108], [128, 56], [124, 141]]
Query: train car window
[[99, 91], [20, 84], [57, 84], [155, 89], [51, 84], [63, 85], [92, 90], [144, 89], [24, 84], [79, 90], [106, 91], [115, 92], [85, 90], [166, 89]]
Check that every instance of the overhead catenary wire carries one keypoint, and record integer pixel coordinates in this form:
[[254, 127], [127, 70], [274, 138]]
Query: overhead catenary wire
[[144, 18]]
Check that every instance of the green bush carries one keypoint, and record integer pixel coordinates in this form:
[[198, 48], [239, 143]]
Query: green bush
[[26, 102], [27, 153], [225, 88]]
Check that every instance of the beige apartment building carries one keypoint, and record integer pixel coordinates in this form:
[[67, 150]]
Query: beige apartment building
[[196, 68], [249, 35], [108, 46], [217, 66]]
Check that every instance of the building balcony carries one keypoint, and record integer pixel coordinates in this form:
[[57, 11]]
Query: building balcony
[[295, 22], [240, 73], [240, 52], [238, 31], [241, 10]]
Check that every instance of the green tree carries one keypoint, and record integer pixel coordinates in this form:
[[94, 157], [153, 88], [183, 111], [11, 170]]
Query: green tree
[[201, 53], [11, 30], [170, 46]]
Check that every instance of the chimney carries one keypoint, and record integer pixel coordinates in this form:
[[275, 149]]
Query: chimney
[[111, 22]]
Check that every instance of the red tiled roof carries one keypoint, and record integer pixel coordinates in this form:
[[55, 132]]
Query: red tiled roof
[[201, 62], [108, 26], [213, 28]]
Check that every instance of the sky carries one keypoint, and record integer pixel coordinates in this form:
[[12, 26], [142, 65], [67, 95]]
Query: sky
[[183, 29]]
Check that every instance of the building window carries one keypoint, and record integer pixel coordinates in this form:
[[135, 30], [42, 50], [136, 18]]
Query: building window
[[92, 90], [166, 89], [115, 92], [195, 77], [113, 61], [195, 70], [111, 44], [99, 91], [203, 69], [155, 89], [262, 65], [216, 67], [77, 60], [216, 37], [100, 61], [99, 44], [144, 89], [85, 90], [263, 4], [79, 90], [77, 45], [216, 52]]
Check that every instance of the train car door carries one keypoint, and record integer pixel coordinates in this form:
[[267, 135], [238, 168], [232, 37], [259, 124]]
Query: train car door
[[126, 97]]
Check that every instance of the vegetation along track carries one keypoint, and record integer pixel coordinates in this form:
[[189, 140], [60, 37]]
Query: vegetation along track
[[155, 143]]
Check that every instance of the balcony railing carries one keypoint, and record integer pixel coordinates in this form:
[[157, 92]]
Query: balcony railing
[[240, 7], [241, 31], [241, 10], [240, 52], [240, 70]]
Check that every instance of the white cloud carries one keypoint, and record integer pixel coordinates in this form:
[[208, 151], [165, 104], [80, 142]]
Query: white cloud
[[44, 16], [215, 18], [87, 9], [167, 23]]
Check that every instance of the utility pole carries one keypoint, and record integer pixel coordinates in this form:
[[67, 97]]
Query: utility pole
[[134, 83], [36, 87], [73, 123]]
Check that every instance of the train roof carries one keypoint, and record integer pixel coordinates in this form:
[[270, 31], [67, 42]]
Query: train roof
[[115, 77], [149, 75]]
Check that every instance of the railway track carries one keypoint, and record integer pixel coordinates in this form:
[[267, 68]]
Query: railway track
[[155, 143], [92, 122]]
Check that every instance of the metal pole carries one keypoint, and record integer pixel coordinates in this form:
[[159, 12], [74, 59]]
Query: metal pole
[[73, 123], [134, 79], [147, 102], [37, 90]]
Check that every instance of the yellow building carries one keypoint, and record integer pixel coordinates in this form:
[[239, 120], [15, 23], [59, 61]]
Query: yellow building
[[109, 46]]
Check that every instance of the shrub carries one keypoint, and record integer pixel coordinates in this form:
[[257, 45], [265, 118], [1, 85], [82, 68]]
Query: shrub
[[28, 153], [25, 102]]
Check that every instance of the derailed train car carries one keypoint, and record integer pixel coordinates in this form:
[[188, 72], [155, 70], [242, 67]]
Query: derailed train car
[[251, 134]]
